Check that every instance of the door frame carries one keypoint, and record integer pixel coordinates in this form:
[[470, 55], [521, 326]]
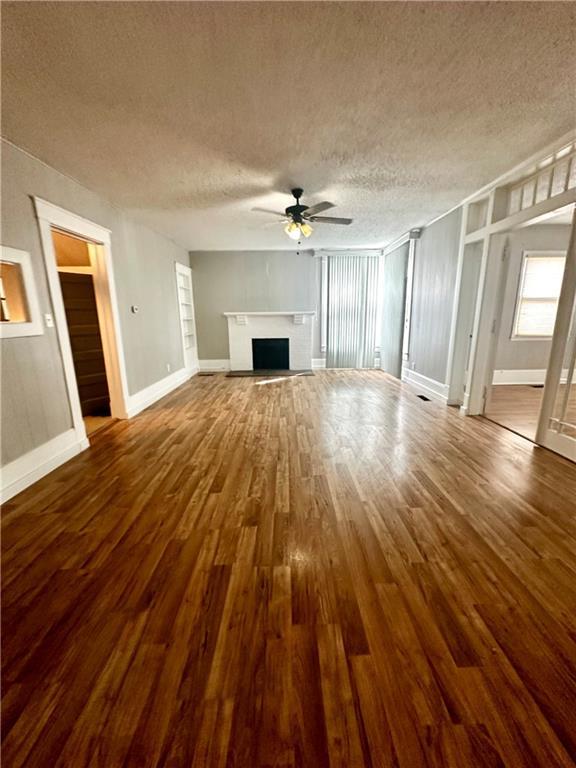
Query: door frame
[[493, 239], [461, 343], [51, 217], [544, 436]]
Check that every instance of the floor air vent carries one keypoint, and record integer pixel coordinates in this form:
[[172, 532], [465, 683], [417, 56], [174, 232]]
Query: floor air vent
[[423, 397]]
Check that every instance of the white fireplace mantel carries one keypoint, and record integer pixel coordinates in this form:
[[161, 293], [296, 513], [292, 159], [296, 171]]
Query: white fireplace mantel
[[298, 317], [295, 325]]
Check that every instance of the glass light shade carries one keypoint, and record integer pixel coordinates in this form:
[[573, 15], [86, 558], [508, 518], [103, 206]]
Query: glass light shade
[[296, 229], [292, 230]]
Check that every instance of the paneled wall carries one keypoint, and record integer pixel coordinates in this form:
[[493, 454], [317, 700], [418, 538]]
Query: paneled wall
[[433, 294], [525, 354], [34, 403], [250, 281], [393, 304]]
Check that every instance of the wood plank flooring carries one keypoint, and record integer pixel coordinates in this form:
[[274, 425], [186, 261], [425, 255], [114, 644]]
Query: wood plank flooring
[[517, 407], [317, 571]]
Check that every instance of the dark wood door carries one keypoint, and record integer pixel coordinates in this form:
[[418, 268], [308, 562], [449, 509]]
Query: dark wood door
[[87, 351]]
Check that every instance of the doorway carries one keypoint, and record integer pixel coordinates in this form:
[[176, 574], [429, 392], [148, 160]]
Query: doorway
[[524, 329], [84, 235], [76, 274]]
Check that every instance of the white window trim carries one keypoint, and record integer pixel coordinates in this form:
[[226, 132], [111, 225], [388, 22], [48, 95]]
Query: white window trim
[[34, 327], [514, 336]]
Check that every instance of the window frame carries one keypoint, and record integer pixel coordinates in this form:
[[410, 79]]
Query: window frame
[[514, 336], [35, 326]]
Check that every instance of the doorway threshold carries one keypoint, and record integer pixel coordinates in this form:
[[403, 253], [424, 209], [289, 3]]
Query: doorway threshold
[[95, 424]]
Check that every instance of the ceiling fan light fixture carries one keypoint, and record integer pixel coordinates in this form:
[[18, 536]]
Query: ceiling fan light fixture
[[297, 217], [295, 229], [292, 230]]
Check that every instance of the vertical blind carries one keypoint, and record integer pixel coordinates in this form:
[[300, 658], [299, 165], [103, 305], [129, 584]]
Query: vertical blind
[[352, 307]]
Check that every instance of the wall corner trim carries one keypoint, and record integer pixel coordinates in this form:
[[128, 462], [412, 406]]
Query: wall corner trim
[[426, 386], [32, 466], [149, 395]]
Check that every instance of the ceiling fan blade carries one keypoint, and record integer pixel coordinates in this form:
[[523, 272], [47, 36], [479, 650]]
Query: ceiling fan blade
[[267, 210], [330, 220], [318, 208]]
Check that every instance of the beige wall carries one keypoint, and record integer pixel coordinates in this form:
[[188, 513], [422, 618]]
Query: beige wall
[[250, 281], [34, 402]]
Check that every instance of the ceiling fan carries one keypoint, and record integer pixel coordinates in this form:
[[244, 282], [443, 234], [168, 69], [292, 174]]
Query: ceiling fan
[[298, 217]]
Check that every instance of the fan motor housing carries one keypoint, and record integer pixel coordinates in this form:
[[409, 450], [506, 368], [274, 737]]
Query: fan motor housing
[[295, 211]]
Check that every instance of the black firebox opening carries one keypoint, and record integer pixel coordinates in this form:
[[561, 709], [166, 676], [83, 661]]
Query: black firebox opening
[[270, 354]]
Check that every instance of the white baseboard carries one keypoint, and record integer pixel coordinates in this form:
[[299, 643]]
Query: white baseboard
[[524, 376], [211, 366], [146, 397], [430, 387], [32, 466]]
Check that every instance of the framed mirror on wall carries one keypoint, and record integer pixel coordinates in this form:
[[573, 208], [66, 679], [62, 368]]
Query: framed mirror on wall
[[19, 307]]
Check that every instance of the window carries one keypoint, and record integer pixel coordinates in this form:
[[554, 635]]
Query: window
[[12, 296], [352, 309], [538, 294], [19, 311]]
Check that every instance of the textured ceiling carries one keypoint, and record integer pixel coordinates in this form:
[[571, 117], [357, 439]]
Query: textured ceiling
[[190, 114]]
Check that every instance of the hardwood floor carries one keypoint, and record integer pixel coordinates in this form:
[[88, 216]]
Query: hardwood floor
[[94, 423], [317, 571], [517, 407]]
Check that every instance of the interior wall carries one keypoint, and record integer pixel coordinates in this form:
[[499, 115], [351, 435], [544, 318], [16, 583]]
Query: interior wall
[[35, 405], [435, 266], [393, 309], [525, 354], [250, 281], [146, 278]]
